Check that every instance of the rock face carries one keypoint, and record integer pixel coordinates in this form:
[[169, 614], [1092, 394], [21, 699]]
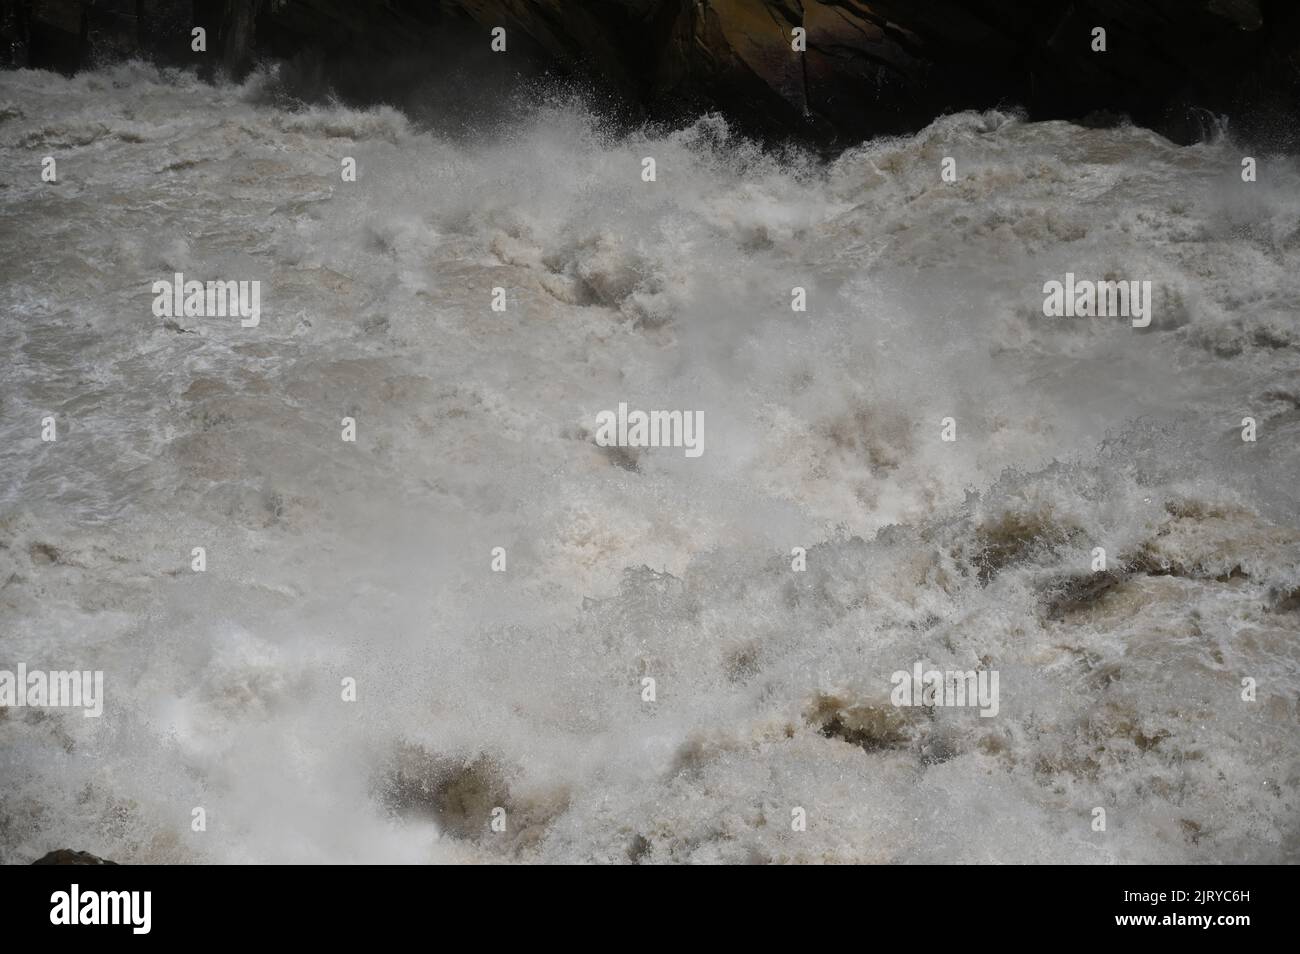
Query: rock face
[[870, 66], [66, 856]]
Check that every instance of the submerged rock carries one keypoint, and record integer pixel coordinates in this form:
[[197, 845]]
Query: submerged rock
[[66, 856]]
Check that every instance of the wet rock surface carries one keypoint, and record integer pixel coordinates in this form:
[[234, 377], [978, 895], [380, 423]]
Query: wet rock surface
[[883, 66], [66, 856]]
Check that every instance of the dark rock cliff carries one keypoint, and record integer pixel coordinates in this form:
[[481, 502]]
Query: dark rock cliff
[[870, 66]]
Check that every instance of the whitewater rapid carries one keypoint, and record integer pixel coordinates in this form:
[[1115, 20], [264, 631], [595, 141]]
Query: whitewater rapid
[[329, 560]]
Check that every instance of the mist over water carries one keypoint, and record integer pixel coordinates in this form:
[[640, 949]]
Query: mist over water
[[522, 689]]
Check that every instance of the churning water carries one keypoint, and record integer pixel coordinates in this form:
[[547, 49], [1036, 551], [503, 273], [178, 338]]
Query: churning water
[[329, 560]]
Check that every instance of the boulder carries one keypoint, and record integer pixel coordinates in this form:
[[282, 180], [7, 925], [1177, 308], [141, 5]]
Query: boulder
[[66, 856]]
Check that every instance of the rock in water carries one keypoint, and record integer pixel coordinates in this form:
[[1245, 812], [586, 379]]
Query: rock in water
[[828, 70], [66, 856]]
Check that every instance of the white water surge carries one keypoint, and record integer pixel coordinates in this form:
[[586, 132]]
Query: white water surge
[[523, 689]]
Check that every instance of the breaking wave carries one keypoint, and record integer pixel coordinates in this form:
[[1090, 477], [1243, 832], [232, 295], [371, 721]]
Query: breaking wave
[[329, 560]]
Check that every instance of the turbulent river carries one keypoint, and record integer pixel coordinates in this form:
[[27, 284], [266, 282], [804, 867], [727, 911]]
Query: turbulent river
[[330, 561]]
